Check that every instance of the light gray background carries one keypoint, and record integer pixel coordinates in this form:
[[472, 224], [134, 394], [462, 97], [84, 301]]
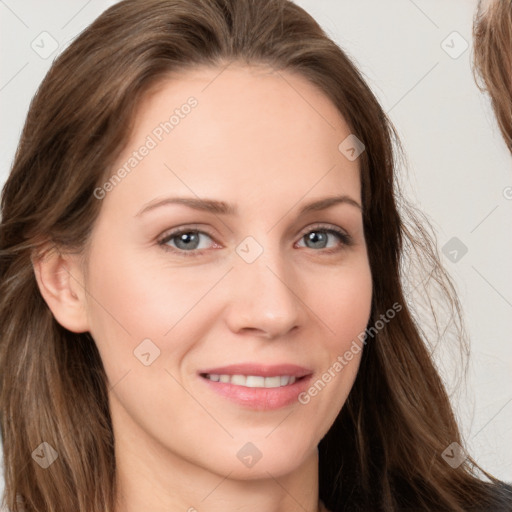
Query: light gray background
[[459, 170]]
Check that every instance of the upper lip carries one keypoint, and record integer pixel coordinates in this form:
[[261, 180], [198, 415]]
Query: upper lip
[[260, 370]]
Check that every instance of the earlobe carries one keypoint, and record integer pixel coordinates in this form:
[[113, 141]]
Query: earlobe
[[60, 281]]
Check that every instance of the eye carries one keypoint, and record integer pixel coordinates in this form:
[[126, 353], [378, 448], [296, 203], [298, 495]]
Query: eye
[[193, 242], [185, 241], [320, 236]]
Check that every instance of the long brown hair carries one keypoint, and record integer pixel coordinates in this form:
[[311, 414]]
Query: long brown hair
[[384, 451], [492, 60]]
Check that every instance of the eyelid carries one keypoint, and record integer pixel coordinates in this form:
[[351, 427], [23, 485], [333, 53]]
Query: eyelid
[[321, 226]]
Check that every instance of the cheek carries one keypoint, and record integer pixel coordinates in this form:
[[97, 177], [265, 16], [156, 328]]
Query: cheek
[[343, 303], [133, 299], [127, 305]]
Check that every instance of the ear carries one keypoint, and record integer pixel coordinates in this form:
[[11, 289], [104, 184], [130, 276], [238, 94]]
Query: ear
[[60, 280]]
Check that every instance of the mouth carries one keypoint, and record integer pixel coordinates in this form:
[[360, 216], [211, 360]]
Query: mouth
[[258, 387]]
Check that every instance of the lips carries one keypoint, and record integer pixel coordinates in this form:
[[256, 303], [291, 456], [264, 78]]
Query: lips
[[258, 387]]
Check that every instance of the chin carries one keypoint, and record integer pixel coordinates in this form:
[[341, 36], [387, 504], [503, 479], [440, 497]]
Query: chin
[[255, 460]]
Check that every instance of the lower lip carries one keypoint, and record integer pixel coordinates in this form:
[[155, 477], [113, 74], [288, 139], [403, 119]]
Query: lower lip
[[261, 399]]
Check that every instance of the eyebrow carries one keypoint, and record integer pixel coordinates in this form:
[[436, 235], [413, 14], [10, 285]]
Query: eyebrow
[[223, 208]]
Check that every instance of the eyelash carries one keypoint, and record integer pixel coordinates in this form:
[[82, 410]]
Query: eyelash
[[344, 238]]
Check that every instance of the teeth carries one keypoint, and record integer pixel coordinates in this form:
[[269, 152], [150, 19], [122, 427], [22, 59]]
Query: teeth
[[271, 382], [238, 380], [253, 381]]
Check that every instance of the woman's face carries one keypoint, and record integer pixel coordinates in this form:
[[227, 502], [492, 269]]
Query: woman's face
[[259, 283]]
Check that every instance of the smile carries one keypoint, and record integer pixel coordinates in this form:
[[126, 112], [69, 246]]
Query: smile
[[256, 386]]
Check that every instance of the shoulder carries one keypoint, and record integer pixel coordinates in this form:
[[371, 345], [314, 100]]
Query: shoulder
[[495, 497]]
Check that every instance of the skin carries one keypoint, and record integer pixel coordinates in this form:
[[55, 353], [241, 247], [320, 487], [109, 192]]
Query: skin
[[267, 142]]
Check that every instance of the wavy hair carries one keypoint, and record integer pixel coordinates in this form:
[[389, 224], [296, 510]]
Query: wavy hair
[[384, 450]]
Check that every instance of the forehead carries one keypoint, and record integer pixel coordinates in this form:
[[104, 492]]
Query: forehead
[[250, 127]]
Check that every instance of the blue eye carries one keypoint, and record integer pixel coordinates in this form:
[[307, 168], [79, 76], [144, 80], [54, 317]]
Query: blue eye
[[318, 238], [191, 242], [184, 240]]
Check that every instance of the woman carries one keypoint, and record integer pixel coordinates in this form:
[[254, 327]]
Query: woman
[[201, 297]]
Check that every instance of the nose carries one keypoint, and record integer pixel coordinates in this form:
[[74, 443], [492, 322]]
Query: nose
[[263, 297]]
